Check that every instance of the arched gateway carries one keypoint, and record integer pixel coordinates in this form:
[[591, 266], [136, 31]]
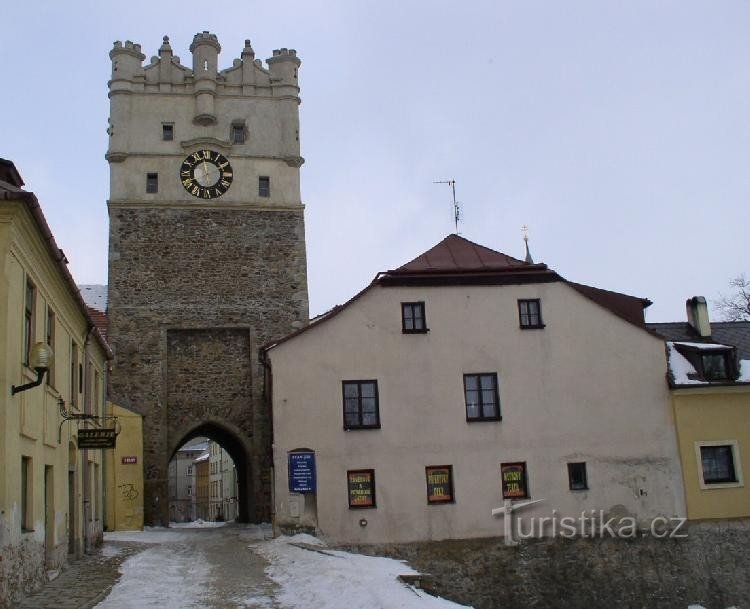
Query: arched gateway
[[207, 250]]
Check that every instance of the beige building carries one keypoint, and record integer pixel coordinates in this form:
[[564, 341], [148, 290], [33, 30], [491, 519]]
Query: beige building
[[709, 375], [51, 492], [461, 380], [183, 481], [222, 483]]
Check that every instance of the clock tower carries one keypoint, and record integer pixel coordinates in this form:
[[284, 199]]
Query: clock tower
[[206, 251]]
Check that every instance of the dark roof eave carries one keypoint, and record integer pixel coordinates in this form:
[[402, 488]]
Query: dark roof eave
[[32, 203], [505, 277]]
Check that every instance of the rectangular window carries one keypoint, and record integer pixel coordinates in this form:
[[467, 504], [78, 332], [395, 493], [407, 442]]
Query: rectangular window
[[717, 463], [514, 481], [482, 398], [27, 486], [715, 367], [167, 132], [189, 471], [50, 332], [73, 374], [152, 182], [361, 410], [29, 320], [189, 491], [361, 487], [439, 483], [238, 134], [264, 186], [577, 480], [413, 318], [530, 313]]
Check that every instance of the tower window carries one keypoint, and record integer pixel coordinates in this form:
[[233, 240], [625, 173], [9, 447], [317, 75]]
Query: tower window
[[167, 132], [152, 182], [238, 133], [577, 479], [264, 186]]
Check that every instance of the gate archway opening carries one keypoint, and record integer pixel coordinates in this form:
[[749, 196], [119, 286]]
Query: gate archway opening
[[209, 477]]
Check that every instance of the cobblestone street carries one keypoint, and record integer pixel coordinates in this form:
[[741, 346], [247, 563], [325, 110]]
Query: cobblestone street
[[210, 568]]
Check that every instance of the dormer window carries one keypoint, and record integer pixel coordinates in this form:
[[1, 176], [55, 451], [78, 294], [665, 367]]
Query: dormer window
[[715, 366], [712, 362]]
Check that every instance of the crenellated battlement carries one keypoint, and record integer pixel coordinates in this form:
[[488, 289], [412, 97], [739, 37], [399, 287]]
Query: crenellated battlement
[[246, 76]]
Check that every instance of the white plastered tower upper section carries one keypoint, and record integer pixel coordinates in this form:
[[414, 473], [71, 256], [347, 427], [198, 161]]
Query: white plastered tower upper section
[[201, 106]]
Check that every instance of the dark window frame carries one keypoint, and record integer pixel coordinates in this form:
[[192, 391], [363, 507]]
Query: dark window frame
[[359, 384], [732, 478], [152, 183], [481, 417], [29, 321], [237, 133], [573, 484], [526, 320], [450, 481], [27, 494], [167, 132], [264, 186], [413, 307], [50, 324], [371, 472], [724, 355]]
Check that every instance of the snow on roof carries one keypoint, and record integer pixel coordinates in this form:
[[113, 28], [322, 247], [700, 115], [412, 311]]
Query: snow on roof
[[684, 372], [202, 458], [94, 296]]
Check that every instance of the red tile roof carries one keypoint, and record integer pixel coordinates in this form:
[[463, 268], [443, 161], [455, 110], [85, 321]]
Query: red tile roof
[[456, 254], [100, 320]]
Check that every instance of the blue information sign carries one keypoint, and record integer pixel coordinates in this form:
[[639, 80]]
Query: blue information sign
[[302, 472]]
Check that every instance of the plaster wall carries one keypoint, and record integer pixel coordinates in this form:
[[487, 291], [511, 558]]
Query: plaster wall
[[30, 420], [124, 478], [588, 387], [714, 414]]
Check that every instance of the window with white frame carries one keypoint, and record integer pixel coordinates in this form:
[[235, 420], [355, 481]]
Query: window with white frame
[[718, 464]]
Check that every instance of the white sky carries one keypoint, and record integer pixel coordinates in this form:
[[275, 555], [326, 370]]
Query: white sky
[[618, 131]]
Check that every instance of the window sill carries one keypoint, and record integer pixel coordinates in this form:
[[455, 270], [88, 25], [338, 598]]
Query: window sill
[[405, 331], [719, 485], [483, 419], [539, 327], [579, 490], [362, 427]]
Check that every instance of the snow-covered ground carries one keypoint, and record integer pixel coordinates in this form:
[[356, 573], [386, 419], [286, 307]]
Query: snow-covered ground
[[204, 566], [329, 579], [185, 568]]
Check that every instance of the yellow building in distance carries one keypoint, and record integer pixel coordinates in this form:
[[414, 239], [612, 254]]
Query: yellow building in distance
[[51, 492], [709, 375], [124, 467]]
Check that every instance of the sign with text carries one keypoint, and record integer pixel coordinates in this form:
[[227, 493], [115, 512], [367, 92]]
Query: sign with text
[[302, 472], [129, 460], [439, 484], [97, 438], [361, 485], [513, 476]]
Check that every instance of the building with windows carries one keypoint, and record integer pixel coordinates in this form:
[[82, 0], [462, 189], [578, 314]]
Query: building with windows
[[183, 481], [709, 377], [461, 380], [51, 491], [223, 483]]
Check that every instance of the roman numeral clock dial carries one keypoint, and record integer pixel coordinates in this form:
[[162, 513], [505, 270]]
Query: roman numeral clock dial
[[206, 174]]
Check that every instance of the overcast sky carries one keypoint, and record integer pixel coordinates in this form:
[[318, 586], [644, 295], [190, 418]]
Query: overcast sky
[[617, 131]]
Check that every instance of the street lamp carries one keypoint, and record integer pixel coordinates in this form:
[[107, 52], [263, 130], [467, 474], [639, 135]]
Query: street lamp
[[40, 359]]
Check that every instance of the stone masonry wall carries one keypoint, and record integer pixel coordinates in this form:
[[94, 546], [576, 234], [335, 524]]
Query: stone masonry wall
[[709, 567], [22, 569], [193, 293]]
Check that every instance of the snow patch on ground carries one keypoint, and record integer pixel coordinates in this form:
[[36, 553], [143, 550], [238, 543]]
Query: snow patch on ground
[[160, 577], [147, 535], [331, 579], [196, 524]]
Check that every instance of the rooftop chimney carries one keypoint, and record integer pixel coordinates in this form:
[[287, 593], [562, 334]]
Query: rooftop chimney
[[697, 315]]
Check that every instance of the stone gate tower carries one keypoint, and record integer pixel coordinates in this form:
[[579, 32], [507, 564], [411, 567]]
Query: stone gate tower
[[206, 250]]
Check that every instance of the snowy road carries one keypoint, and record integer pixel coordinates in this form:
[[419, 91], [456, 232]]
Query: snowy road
[[239, 566]]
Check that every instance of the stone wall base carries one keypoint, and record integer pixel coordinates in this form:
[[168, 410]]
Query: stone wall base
[[22, 570], [709, 567]]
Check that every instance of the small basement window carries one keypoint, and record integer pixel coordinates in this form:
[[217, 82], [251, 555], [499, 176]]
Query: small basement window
[[719, 464]]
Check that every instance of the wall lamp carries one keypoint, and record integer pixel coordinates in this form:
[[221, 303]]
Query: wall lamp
[[40, 359]]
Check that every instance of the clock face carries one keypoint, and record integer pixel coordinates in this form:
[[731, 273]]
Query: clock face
[[206, 174]]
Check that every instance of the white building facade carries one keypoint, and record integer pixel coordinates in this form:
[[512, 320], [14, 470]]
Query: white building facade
[[461, 380]]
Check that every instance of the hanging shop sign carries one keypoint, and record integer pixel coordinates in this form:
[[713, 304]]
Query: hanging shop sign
[[97, 438], [302, 472], [513, 476], [361, 485], [439, 484]]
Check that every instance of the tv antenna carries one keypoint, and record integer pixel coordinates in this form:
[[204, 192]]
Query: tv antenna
[[456, 208]]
